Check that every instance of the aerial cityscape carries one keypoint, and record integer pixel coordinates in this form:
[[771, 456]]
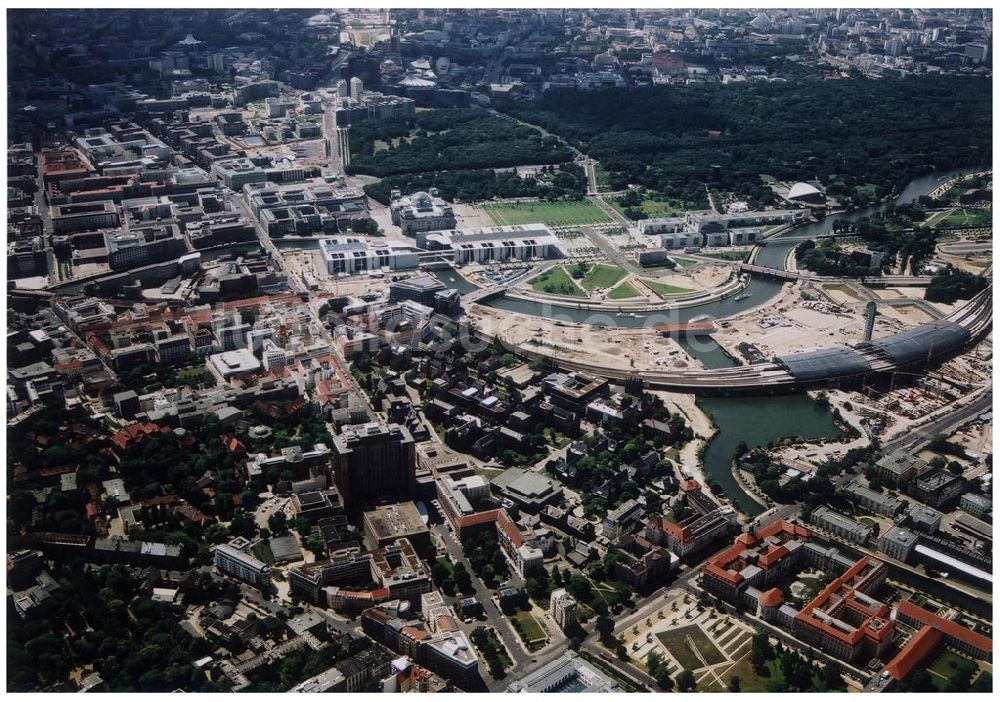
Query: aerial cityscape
[[499, 350]]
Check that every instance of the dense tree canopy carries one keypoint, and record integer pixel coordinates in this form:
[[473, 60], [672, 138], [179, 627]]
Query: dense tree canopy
[[445, 139], [471, 185], [862, 137]]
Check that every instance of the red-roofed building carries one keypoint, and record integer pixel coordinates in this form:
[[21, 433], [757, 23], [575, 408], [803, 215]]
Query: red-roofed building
[[756, 558], [914, 652], [843, 620], [525, 558], [955, 635], [132, 436], [772, 598]]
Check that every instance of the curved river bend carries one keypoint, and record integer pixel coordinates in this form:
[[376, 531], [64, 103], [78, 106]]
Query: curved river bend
[[754, 420]]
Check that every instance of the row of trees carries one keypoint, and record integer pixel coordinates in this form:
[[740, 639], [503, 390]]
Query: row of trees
[[797, 673], [488, 644]]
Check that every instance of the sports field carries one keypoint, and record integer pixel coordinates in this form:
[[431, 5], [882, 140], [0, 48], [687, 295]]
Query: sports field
[[554, 214]]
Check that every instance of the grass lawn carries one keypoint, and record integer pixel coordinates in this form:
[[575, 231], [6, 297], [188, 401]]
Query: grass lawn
[[729, 255], [653, 208], [622, 292], [262, 552], [528, 628], [558, 282], [962, 217], [676, 641], [750, 681], [554, 214], [665, 290], [602, 177], [941, 668], [194, 375], [602, 275], [554, 437], [684, 262]]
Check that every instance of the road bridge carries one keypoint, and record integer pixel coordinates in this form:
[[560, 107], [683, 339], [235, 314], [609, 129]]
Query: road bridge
[[776, 273]]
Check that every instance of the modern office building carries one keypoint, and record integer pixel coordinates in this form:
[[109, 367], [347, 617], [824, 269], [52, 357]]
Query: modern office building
[[86, 216], [237, 172], [352, 255], [140, 247], [386, 524], [372, 107], [708, 228], [574, 390], [519, 242], [374, 461], [884, 503], [936, 487], [621, 519], [562, 607], [568, 673], [240, 564], [418, 288], [845, 527], [173, 349]]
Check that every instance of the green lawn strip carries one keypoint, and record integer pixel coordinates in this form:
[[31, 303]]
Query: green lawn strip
[[601, 178], [684, 262], [962, 217], [675, 641], [528, 628], [941, 669], [555, 214], [556, 281], [729, 255], [622, 292], [664, 289]]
